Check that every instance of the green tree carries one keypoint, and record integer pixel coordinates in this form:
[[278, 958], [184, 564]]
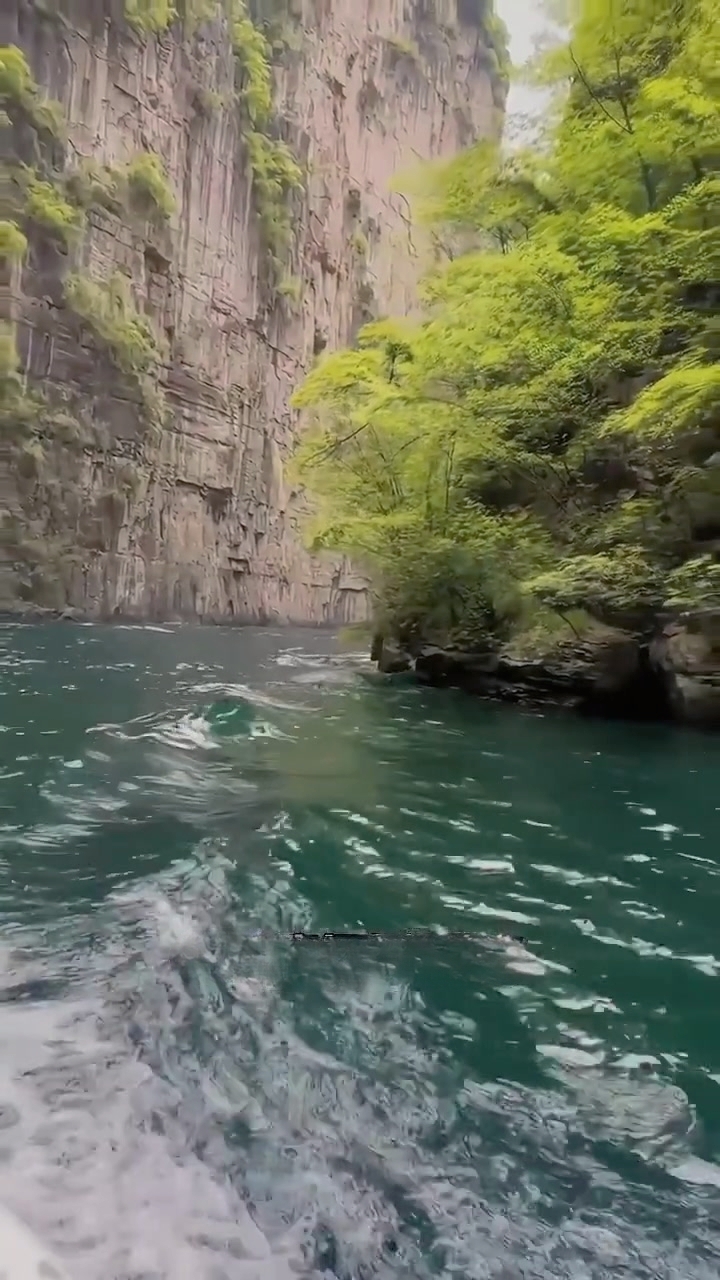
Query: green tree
[[544, 441]]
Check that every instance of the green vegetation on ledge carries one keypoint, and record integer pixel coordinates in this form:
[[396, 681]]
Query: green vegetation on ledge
[[150, 16], [19, 93], [45, 427], [45, 205], [148, 185], [252, 52], [545, 445], [140, 186], [96, 186], [13, 243], [110, 313], [276, 173]]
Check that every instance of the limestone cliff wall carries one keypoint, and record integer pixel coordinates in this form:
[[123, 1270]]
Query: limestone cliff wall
[[200, 518]]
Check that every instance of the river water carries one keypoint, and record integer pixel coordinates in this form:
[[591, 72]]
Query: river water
[[187, 1093]]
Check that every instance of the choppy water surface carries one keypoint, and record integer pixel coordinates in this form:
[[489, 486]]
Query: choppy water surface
[[186, 1094]]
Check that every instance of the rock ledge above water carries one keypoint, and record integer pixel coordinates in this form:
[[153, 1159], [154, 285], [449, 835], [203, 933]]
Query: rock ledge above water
[[671, 675]]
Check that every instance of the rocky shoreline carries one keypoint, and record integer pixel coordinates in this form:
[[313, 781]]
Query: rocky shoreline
[[672, 675]]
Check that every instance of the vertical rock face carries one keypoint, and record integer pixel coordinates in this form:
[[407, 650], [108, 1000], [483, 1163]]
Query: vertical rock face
[[200, 518]]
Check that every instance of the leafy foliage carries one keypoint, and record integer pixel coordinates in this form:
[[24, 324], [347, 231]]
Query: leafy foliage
[[13, 244], [150, 16], [252, 53], [695, 584], [291, 287], [96, 186], [195, 12], [544, 443], [19, 92], [149, 187], [275, 175], [45, 204], [142, 185], [110, 313], [275, 171]]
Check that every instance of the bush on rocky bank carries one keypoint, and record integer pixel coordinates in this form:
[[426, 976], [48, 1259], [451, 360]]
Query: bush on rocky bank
[[532, 472]]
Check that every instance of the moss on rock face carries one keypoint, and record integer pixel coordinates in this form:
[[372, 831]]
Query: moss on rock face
[[150, 16], [13, 242], [252, 53], [141, 186], [96, 186], [275, 171], [148, 186], [46, 428], [55, 203], [46, 206], [109, 311], [20, 94], [275, 176]]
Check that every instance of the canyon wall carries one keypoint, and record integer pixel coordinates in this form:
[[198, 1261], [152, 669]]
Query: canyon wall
[[198, 517]]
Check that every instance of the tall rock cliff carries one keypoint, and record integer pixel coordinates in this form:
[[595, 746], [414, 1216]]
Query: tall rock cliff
[[190, 249]]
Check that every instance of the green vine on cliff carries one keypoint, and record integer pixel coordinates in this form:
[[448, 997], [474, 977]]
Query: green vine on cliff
[[13, 243], [108, 310], [252, 54], [20, 93], [140, 186], [148, 186], [150, 17], [276, 174], [275, 171], [45, 205]]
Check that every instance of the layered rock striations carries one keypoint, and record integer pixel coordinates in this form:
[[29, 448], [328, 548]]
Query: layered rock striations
[[162, 324]]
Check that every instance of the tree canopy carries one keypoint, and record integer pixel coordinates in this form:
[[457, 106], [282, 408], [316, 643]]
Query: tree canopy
[[545, 443]]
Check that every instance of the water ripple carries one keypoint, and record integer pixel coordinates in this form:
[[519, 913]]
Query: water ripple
[[186, 1092]]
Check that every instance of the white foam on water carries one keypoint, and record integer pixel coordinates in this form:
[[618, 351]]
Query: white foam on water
[[22, 1255]]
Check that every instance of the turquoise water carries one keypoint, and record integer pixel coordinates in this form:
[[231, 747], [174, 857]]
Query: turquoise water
[[186, 1091]]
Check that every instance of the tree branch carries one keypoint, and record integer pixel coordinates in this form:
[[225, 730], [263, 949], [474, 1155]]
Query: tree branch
[[618, 123], [327, 450]]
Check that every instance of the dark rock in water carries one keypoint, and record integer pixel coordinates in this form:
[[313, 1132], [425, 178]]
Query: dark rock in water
[[610, 674], [613, 673], [686, 657], [390, 656]]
